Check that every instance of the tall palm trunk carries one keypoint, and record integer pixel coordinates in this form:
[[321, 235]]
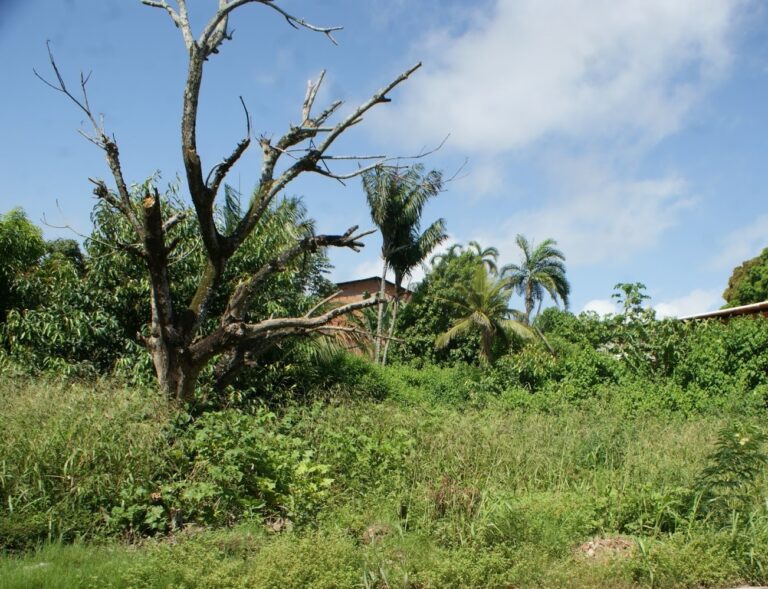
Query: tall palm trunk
[[391, 331], [380, 318], [486, 346], [529, 302]]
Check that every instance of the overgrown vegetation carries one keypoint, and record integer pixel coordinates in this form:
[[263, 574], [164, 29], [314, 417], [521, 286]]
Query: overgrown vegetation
[[428, 488], [621, 451], [177, 411]]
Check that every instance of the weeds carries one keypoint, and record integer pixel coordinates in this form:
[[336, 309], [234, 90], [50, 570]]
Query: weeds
[[384, 495]]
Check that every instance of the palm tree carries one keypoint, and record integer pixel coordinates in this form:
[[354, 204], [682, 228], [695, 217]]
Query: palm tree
[[483, 308], [488, 256], [449, 254], [541, 270], [396, 197]]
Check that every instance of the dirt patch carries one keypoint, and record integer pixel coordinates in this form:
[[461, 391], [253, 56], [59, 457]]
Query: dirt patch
[[601, 549]]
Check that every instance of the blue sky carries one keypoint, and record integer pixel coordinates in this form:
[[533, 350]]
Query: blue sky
[[631, 131]]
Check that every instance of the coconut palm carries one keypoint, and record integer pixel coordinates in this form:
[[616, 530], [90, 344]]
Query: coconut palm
[[396, 197], [541, 270], [483, 308], [454, 251], [487, 256]]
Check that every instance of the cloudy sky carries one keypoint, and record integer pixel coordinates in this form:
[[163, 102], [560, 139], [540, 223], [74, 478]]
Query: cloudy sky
[[631, 131]]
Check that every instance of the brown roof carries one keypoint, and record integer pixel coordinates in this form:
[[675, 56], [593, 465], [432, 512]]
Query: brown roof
[[753, 309], [376, 278]]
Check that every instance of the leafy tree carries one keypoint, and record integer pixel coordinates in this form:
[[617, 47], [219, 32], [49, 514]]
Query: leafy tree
[[185, 336], [396, 198], [630, 296], [488, 256], [69, 249], [430, 313], [21, 247], [541, 270], [93, 309], [451, 253], [748, 282], [61, 325], [483, 308]]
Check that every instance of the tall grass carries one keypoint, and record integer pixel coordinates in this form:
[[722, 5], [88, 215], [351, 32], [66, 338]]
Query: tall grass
[[423, 495], [68, 450]]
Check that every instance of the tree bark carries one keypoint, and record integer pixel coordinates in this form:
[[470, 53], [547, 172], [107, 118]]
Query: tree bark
[[391, 333], [177, 343], [528, 302], [380, 318]]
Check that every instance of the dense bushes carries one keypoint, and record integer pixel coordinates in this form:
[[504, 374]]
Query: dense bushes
[[64, 311], [85, 460], [68, 452], [422, 495]]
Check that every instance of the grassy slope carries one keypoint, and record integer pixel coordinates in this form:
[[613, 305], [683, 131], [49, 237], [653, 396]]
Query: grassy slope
[[423, 496]]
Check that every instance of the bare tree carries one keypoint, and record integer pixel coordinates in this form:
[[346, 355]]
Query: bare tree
[[179, 346]]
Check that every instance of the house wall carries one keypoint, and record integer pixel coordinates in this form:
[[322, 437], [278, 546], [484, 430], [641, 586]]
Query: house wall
[[355, 291], [358, 289]]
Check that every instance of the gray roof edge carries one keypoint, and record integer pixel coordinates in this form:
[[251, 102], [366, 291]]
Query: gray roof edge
[[730, 312]]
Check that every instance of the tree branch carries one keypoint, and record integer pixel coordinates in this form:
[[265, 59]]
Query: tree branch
[[240, 333], [100, 139], [180, 19], [157, 263], [221, 170], [321, 303], [237, 305], [215, 31], [269, 187]]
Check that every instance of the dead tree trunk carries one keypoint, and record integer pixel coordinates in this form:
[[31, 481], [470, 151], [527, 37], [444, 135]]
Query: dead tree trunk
[[179, 345]]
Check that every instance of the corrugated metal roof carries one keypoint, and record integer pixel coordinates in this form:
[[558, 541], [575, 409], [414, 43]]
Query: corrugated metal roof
[[377, 279], [752, 309]]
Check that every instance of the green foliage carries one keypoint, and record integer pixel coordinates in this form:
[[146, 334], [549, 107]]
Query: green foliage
[[486, 256], [630, 296], [79, 461], [542, 269], [748, 282], [424, 494], [483, 308], [228, 466], [21, 247], [716, 362], [240, 465], [396, 197], [83, 314], [430, 313], [67, 453], [729, 482], [717, 356], [63, 327]]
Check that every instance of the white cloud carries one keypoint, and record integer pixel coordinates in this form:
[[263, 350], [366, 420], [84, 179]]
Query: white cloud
[[697, 301], [606, 220], [742, 244], [601, 306], [599, 81], [528, 70]]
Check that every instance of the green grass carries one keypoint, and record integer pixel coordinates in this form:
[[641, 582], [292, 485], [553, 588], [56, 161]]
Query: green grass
[[67, 451], [423, 496], [331, 558]]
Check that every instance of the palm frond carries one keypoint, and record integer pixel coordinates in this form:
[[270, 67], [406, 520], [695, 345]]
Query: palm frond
[[459, 328]]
